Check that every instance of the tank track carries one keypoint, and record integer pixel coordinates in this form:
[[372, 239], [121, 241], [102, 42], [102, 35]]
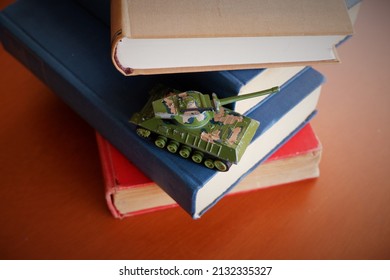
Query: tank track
[[184, 151]]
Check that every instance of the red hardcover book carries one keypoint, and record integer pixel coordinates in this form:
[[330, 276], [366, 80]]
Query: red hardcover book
[[129, 192]]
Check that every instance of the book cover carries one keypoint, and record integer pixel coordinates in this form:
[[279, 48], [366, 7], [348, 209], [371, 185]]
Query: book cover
[[154, 37], [70, 56], [101, 9], [130, 192]]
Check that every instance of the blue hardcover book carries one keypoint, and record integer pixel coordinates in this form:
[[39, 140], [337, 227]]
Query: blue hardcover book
[[68, 49]]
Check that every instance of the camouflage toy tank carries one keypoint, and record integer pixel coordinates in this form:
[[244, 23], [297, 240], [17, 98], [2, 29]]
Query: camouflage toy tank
[[196, 127]]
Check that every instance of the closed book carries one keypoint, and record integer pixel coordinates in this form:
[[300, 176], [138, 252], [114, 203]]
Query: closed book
[[70, 55], [225, 82], [153, 37], [130, 192]]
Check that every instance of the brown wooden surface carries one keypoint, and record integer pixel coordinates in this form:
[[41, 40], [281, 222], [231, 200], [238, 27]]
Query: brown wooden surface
[[52, 203]]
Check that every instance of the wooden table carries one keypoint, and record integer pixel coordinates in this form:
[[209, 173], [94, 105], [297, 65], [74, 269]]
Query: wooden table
[[52, 195]]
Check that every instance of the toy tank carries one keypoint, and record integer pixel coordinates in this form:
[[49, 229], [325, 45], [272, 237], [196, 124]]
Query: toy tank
[[196, 126]]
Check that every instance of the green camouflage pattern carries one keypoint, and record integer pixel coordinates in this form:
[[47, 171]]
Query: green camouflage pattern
[[197, 127]]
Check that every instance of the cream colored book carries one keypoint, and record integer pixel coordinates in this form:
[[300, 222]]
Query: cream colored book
[[152, 36]]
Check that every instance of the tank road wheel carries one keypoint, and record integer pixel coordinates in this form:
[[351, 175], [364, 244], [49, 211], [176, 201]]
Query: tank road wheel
[[173, 146], [160, 142], [209, 163], [221, 166], [197, 157], [143, 132], [185, 151]]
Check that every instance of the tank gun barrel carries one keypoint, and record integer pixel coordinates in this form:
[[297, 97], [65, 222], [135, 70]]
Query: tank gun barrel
[[232, 99]]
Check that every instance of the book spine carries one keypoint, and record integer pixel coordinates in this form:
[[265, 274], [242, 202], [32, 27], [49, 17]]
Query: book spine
[[108, 174], [120, 28]]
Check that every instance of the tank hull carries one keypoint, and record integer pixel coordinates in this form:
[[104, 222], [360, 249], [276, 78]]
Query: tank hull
[[218, 143]]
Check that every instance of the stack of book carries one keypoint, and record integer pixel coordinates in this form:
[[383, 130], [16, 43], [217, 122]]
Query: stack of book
[[230, 48]]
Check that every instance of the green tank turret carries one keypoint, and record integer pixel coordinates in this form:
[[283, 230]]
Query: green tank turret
[[196, 126]]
